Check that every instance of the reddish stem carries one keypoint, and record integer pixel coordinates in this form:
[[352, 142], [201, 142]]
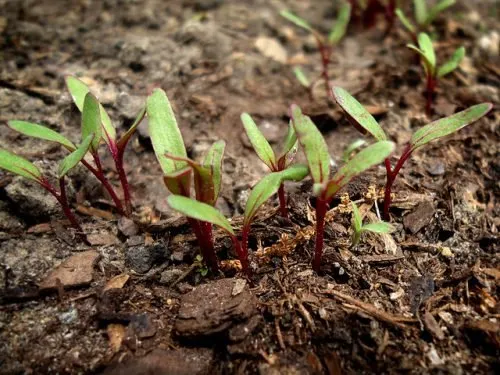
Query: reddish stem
[[326, 52], [321, 207], [242, 256], [282, 199], [431, 86], [118, 158], [391, 177], [203, 233]]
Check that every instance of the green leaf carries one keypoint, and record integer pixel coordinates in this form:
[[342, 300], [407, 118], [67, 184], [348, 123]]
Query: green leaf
[[339, 29], [405, 21], [301, 77], [314, 146], [295, 172], [420, 11], [357, 220], [78, 91], [358, 143], [379, 227], [179, 181], [425, 44], [357, 114], [436, 9], [366, 158], [70, 161], [425, 61], [300, 22], [41, 132], [213, 161], [164, 132], [199, 211], [91, 121], [19, 165], [290, 144], [259, 142], [130, 132], [452, 63], [261, 192], [448, 125]]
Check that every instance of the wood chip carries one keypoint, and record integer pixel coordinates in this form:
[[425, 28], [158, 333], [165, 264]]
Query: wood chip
[[116, 282], [432, 326], [116, 334]]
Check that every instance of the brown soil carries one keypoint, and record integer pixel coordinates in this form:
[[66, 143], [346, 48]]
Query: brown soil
[[423, 300]]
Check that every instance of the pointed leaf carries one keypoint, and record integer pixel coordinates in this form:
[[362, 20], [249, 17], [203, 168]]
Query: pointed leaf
[[78, 91], [199, 211], [259, 142], [290, 147], [122, 143], [425, 44], [358, 114], [70, 161], [296, 172], [179, 182], [261, 192], [19, 165], [213, 161], [448, 125], [358, 143], [357, 220], [379, 227], [420, 11], [436, 9], [452, 63], [300, 22], [91, 121], [367, 158], [339, 29], [41, 132], [314, 146], [423, 58], [405, 21], [301, 77], [164, 132]]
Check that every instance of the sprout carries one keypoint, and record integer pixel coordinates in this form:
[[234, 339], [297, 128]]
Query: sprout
[[359, 228]]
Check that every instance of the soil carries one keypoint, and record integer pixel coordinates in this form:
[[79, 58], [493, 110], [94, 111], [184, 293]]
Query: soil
[[424, 299]]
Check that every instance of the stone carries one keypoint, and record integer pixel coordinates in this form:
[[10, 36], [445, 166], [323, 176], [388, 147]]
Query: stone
[[271, 48], [419, 217], [142, 258], [169, 276]]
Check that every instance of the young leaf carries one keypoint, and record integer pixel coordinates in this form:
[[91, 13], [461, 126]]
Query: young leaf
[[19, 165], [301, 77], [199, 211], [179, 181], [213, 161], [452, 63], [357, 220], [261, 192], [70, 161], [259, 142], [357, 114], [370, 156], [448, 125], [358, 143], [340, 27], [300, 22], [438, 8], [425, 44], [164, 132], [314, 146], [290, 143], [296, 172], [91, 121], [420, 11], [78, 91], [379, 227], [130, 132], [405, 21], [41, 132]]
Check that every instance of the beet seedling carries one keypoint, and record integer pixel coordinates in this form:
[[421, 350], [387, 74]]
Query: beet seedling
[[325, 43], [362, 120], [265, 152], [424, 16], [94, 120], [24, 168], [261, 192], [318, 159], [178, 169], [359, 228], [432, 73]]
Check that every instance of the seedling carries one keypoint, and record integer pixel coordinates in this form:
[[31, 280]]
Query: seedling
[[325, 43], [318, 159], [264, 190], [351, 148], [424, 16], [428, 59], [359, 228], [266, 154], [362, 120], [178, 169], [24, 168], [96, 120]]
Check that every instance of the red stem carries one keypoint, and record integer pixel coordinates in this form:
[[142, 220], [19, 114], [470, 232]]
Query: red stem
[[203, 233], [391, 177], [242, 256], [321, 207], [431, 85], [326, 52], [118, 158], [282, 199]]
